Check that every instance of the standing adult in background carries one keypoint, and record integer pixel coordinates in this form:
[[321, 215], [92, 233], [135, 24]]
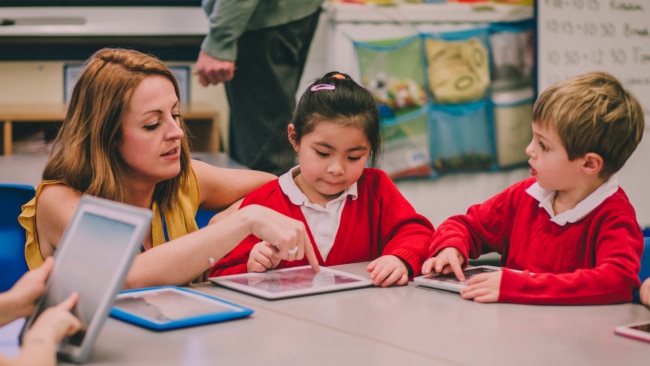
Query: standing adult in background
[[258, 49]]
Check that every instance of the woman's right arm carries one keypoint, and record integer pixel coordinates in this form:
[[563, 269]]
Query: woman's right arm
[[182, 259], [185, 258]]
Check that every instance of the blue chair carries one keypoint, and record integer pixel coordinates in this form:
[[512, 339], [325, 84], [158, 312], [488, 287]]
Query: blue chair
[[12, 235], [203, 217], [644, 272]]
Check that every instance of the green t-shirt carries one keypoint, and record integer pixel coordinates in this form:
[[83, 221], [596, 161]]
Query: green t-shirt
[[230, 18]]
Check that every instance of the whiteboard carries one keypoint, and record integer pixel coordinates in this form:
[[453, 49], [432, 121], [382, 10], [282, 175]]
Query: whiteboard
[[576, 36]]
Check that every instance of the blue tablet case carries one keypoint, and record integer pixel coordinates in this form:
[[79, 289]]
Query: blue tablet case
[[172, 307]]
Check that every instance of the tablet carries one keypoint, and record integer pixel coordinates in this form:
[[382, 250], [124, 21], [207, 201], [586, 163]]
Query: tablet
[[638, 331], [92, 259], [291, 282], [449, 282], [172, 307]]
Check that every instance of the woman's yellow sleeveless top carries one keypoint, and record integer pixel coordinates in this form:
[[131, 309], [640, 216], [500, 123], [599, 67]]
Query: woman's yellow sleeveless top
[[178, 221]]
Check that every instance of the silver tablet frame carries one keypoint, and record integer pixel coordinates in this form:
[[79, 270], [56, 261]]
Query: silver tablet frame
[[61, 283], [447, 284], [230, 282]]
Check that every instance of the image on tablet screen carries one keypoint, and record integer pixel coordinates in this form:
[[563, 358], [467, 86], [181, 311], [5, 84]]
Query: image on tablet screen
[[299, 279], [469, 273], [168, 304]]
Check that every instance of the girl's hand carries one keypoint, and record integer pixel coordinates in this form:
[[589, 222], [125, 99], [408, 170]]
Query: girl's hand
[[262, 258], [483, 287], [286, 235], [388, 270], [446, 261]]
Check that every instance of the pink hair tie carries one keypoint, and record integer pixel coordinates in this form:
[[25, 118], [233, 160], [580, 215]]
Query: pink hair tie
[[322, 87]]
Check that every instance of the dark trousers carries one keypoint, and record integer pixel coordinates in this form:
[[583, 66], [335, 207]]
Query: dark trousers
[[262, 94]]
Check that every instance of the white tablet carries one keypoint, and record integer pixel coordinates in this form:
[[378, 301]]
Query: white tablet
[[639, 331], [92, 259], [172, 307], [291, 282], [449, 282]]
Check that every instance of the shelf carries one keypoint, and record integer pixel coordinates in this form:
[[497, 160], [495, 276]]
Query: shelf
[[202, 122], [427, 13]]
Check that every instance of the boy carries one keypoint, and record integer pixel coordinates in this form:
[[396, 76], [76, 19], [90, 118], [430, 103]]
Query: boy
[[569, 234]]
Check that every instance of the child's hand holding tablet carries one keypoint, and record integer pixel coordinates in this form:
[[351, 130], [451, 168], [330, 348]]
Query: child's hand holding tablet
[[450, 281], [449, 275]]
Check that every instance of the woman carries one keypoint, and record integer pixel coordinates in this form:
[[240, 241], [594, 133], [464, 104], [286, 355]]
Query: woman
[[123, 138]]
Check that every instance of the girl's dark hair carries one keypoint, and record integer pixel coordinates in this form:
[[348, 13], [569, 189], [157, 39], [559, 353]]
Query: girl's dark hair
[[335, 97]]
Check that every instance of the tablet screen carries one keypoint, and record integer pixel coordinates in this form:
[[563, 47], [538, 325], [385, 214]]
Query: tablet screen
[[171, 307], [167, 304], [643, 327], [299, 279], [469, 273], [449, 281], [290, 282]]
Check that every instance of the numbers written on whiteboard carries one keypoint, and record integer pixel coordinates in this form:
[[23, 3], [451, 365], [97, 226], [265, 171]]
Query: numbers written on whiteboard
[[584, 28], [618, 56], [595, 29], [590, 5]]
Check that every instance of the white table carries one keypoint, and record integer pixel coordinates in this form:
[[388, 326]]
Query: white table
[[405, 325]]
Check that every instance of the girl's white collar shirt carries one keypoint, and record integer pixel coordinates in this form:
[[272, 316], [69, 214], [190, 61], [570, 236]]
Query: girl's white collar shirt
[[323, 222]]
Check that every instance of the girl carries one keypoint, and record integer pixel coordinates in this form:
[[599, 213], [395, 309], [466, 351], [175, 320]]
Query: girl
[[353, 213]]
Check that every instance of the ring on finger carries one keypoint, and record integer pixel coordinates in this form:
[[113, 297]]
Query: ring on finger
[[293, 251]]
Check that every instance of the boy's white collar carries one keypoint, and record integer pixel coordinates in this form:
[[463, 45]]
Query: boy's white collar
[[582, 209]]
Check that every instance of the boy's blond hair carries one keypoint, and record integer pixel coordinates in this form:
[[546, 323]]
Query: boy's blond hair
[[592, 112]]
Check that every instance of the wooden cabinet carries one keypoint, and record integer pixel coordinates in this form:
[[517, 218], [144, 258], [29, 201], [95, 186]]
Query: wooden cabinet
[[201, 119]]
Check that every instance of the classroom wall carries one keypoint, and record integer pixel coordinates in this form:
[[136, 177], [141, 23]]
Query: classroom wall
[[437, 199], [42, 82], [30, 82]]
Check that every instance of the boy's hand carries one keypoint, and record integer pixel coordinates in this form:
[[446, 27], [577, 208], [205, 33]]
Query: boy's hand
[[262, 258], [446, 261], [388, 270], [483, 287]]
